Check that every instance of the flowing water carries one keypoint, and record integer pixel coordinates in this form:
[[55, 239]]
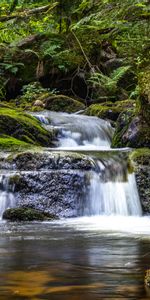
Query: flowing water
[[112, 189], [78, 131], [101, 255], [7, 199]]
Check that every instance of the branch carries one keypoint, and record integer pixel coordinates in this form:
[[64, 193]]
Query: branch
[[28, 13], [91, 67]]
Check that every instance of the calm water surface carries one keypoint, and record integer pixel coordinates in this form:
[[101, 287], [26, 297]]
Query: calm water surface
[[73, 260]]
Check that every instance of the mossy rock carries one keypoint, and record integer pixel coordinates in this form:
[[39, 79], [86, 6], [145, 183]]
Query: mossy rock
[[11, 144], [30, 61], [131, 131], [26, 214], [140, 159], [63, 104], [141, 156], [109, 110], [103, 112], [144, 97], [21, 126]]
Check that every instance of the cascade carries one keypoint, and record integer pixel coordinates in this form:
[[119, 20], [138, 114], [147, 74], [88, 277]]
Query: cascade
[[7, 199], [77, 131], [112, 194], [112, 190]]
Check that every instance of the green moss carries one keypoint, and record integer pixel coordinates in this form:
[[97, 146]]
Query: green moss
[[10, 143], [131, 131], [103, 112], [121, 127], [24, 127], [144, 97], [63, 103], [14, 179], [141, 155], [109, 110], [26, 214], [30, 61]]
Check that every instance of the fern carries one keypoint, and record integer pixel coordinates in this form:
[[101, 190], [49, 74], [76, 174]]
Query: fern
[[33, 52], [117, 74], [109, 82]]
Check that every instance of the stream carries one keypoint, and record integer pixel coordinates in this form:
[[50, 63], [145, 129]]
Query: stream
[[103, 250]]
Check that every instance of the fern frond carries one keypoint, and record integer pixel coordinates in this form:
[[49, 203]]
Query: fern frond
[[117, 74]]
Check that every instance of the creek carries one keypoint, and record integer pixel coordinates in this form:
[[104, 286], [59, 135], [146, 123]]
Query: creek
[[103, 250]]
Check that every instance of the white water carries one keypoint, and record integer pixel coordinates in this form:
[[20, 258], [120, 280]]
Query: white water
[[110, 225], [113, 197], [112, 190], [7, 199], [77, 131]]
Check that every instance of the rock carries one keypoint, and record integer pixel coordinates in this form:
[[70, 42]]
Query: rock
[[109, 110], [24, 127], [140, 158], [131, 131], [144, 97], [26, 214], [51, 182], [50, 160], [38, 103], [147, 278], [63, 103], [112, 64], [8, 143]]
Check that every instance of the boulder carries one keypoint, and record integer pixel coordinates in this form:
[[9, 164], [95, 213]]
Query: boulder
[[131, 131], [50, 182], [24, 127], [38, 103], [63, 103], [109, 110], [26, 214]]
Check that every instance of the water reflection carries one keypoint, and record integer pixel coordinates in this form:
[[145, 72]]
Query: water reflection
[[46, 261]]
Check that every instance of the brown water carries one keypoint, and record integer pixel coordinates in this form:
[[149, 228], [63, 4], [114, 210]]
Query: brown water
[[54, 261]]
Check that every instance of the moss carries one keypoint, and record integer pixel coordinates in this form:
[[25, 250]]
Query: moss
[[141, 156], [36, 108], [144, 98], [109, 110], [63, 103], [30, 61], [103, 112], [10, 143], [14, 179], [26, 214], [140, 159], [131, 131], [24, 127], [121, 128]]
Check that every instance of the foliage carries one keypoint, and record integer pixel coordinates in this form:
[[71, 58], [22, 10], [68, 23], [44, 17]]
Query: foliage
[[34, 90], [109, 82], [81, 33]]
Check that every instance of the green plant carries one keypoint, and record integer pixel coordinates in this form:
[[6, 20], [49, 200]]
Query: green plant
[[108, 82], [34, 90], [12, 68]]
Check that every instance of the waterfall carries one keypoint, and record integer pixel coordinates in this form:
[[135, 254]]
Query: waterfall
[[112, 197], [111, 190], [7, 199]]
